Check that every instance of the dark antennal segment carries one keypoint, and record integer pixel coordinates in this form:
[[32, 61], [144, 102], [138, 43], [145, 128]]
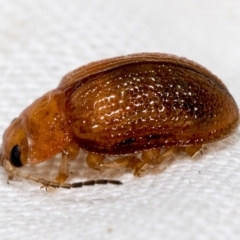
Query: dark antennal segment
[[93, 182]]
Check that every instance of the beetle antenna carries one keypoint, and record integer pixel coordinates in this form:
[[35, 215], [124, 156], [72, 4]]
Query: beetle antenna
[[46, 183]]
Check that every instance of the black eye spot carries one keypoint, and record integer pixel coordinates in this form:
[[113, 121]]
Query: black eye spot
[[15, 156]]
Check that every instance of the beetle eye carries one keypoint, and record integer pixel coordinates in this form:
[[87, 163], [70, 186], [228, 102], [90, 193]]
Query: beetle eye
[[15, 156]]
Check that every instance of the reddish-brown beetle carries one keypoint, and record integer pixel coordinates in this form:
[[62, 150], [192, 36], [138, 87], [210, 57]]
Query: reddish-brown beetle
[[120, 106]]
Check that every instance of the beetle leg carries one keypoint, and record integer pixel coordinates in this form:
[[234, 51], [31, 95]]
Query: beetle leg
[[193, 150], [96, 161], [138, 165], [123, 162], [153, 157], [70, 153], [63, 172]]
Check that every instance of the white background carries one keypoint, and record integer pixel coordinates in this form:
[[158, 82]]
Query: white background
[[40, 41]]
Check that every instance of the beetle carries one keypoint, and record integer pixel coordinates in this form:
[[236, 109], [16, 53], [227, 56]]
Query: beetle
[[153, 103]]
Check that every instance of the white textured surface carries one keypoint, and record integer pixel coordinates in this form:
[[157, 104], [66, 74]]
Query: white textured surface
[[40, 41]]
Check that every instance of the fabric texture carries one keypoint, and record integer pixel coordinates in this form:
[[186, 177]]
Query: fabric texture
[[191, 199]]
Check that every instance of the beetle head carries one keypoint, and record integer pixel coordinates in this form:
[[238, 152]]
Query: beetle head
[[15, 145]]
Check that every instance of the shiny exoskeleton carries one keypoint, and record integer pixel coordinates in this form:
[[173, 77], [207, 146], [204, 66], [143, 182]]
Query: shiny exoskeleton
[[135, 103]]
